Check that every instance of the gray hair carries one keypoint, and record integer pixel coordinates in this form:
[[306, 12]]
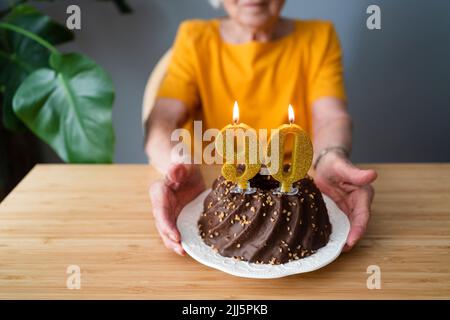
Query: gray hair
[[215, 3]]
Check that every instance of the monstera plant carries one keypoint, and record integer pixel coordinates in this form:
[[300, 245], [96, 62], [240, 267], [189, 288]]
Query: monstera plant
[[65, 99]]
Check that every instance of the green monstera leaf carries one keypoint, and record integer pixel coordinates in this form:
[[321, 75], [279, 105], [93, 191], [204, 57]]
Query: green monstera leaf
[[69, 107], [20, 55]]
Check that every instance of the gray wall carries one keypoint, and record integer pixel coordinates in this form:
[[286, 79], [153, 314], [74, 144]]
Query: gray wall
[[398, 78]]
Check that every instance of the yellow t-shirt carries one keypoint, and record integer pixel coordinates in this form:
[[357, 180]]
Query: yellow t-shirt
[[208, 74]]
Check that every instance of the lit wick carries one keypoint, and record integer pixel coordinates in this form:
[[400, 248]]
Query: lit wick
[[235, 113], [291, 114]]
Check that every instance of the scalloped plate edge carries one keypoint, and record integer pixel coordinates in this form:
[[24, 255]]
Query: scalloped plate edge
[[193, 245]]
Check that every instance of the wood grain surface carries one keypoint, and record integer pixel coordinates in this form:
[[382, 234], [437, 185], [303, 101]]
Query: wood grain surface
[[99, 218]]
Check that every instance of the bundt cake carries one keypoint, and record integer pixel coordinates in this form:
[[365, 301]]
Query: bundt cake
[[264, 227]]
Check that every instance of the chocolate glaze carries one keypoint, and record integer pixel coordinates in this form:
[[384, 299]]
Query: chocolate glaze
[[263, 227]]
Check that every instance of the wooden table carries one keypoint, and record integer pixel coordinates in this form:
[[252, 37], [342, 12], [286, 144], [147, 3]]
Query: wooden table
[[99, 218]]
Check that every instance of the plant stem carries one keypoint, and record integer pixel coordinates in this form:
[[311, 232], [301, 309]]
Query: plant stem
[[30, 35]]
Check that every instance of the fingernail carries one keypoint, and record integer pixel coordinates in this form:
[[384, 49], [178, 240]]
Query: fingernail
[[179, 251], [173, 237]]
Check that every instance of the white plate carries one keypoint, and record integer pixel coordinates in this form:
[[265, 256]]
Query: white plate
[[193, 244]]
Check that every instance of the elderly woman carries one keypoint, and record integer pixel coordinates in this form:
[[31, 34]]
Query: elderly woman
[[265, 62]]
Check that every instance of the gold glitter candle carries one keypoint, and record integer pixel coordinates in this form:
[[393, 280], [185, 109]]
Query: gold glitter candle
[[250, 154], [302, 155]]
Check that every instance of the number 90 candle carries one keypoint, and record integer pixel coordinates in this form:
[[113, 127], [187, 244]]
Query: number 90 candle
[[302, 155]]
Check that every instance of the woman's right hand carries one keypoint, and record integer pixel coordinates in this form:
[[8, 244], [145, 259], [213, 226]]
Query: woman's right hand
[[183, 182]]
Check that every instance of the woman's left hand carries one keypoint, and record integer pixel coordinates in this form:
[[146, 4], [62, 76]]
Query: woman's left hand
[[350, 188]]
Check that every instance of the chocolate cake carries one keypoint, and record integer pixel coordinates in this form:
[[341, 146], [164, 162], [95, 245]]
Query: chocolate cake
[[263, 227]]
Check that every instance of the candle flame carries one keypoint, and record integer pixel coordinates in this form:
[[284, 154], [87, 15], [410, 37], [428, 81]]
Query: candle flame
[[291, 114], [235, 113]]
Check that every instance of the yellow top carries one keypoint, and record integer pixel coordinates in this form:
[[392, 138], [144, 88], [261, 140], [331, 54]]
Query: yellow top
[[208, 74]]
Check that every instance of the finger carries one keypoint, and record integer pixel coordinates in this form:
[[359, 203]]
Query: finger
[[171, 245], [178, 174], [165, 218], [166, 229], [348, 187], [353, 175], [174, 175], [342, 204], [360, 215]]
